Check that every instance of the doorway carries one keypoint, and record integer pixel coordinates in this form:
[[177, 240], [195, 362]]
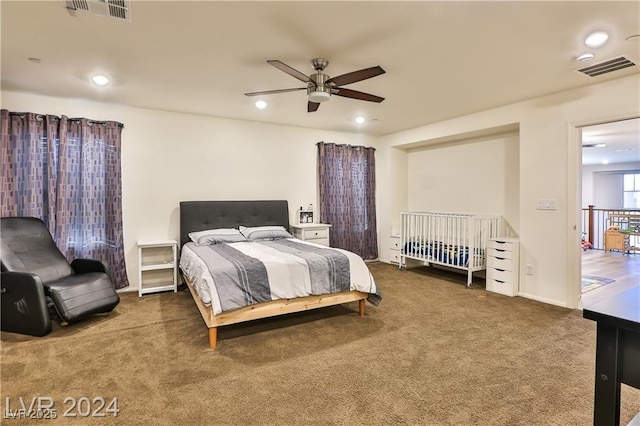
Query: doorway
[[610, 160]]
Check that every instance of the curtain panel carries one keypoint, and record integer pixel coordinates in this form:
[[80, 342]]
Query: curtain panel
[[347, 197], [67, 172]]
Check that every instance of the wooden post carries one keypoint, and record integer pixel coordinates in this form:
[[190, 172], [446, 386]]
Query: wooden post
[[590, 235]]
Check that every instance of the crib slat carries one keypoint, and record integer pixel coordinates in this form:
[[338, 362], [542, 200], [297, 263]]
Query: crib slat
[[456, 240]]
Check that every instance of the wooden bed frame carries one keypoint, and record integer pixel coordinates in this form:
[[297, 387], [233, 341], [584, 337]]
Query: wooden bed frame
[[201, 215]]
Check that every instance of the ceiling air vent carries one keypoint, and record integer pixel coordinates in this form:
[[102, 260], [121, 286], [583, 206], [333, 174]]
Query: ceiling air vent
[[606, 67], [118, 9]]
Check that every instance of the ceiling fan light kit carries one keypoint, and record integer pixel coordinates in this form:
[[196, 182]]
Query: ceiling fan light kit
[[319, 95], [320, 86]]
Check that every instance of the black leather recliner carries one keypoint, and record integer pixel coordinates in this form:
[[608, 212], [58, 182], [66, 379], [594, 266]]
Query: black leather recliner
[[35, 276]]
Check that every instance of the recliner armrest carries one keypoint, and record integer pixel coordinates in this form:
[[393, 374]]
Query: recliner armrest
[[23, 304], [19, 278], [83, 266]]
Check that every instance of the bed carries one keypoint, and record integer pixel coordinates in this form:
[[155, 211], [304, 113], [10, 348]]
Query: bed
[[455, 240], [280, 276]]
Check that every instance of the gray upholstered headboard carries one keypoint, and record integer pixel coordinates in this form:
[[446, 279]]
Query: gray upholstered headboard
[[202, 215]]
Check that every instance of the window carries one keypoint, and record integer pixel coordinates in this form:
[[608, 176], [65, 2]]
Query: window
[[631, 191]]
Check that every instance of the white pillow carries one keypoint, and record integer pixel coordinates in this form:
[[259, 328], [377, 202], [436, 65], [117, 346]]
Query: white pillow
[[216, 236], [257, 233]]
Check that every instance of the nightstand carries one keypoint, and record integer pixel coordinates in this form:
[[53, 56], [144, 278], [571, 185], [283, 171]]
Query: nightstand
[[313, 232], [394, 249], [157, 266]]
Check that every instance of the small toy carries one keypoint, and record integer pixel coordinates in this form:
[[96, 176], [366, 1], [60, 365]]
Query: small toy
[[586, 245]]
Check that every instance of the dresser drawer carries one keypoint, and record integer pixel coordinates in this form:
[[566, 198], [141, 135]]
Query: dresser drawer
[[321, 241], [394, 256], [394, 243], [503, 245], [317, 233], [309, 234], [500, 275], [500, 263], [500, 253], [502, 287]]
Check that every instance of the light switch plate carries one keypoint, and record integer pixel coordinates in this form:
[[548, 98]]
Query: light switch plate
[[546, 204]]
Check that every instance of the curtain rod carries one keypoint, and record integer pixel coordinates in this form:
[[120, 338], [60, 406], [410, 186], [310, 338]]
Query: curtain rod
[[345, 144], [101, 123], [40, 117]]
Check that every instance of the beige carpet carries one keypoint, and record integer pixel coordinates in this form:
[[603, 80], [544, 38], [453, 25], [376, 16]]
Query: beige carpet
[[433, 353]]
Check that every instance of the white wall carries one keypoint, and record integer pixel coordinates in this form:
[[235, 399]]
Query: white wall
[[469, 176], [548, 167], [392, 194], [171, 157], [602, 185], [607, 189]]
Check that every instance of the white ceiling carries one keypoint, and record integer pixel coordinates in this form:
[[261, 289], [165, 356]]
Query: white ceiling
[[622, 140], [442, 59]]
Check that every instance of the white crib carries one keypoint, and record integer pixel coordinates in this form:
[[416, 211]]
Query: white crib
[[450, 239]]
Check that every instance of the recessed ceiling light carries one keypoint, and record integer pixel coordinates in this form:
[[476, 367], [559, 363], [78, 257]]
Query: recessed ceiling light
[[360, 120], [100, 80], [260, 104], [605, 161], [585, 57], [596, 39]]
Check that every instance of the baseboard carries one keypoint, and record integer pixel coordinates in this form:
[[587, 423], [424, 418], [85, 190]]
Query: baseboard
[[542, 299]]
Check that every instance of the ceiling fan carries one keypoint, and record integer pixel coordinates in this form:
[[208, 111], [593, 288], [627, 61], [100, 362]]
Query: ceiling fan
[[320, 86]]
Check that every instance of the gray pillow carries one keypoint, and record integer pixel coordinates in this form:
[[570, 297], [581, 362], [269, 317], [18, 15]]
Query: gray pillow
[[216, 236], [258, 233]]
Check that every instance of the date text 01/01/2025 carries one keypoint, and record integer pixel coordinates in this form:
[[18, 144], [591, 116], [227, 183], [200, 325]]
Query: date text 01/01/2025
[[44, 407]]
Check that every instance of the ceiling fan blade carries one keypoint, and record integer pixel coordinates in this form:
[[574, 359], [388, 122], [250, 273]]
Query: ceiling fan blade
[[271, 92], [291, 71], [354, 94], [312, 106], [354, 76]]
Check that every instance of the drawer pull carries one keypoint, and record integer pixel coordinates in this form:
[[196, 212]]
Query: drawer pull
[[501, 270], [501, 282], [500, 250], [501, 258]]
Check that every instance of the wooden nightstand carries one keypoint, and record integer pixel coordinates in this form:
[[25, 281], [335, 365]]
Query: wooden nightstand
[[313, 232]]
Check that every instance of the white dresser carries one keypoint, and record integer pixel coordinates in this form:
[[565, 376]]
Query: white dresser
[[313, 232], [394, 249], [503, 265]]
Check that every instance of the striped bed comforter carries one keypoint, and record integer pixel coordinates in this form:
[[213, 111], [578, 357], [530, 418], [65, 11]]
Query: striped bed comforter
[[233, 275]]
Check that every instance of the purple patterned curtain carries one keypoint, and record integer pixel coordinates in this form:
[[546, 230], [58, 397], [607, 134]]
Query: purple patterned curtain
[[347, 197], [67, 172], [29, 163]]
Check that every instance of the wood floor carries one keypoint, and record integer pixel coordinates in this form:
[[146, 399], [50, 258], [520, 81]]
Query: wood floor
[[623, 268]]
